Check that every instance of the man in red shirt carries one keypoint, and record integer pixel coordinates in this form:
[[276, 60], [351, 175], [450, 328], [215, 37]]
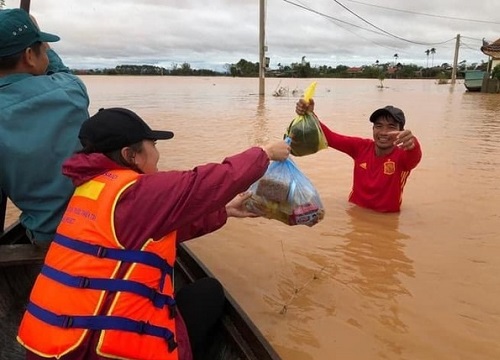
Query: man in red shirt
[[381, 165]]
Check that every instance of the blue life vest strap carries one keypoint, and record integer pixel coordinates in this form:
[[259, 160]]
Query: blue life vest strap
[[102, 323], [158, 299], [130, 256]]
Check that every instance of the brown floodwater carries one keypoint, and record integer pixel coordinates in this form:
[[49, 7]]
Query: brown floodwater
[[422, 284]]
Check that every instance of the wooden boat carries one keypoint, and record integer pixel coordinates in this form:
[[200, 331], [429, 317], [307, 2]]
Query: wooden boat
[[237, 338], [473, 80]]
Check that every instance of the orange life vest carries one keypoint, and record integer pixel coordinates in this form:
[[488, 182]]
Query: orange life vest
[[81, 271]]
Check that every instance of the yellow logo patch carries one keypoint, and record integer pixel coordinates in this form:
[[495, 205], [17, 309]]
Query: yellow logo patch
[[389, 167], [91, 189]]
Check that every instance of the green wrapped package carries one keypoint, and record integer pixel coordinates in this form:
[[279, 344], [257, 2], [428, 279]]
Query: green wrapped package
[[305, 131], [306, 134]]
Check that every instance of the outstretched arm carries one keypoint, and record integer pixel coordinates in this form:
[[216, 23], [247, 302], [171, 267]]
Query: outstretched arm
[[214, 221], [345, 144], [408, 142]]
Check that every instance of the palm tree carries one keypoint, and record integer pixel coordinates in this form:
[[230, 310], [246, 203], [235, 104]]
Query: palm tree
[[395, 58], [427, 52], [2, 3], [433, 51]]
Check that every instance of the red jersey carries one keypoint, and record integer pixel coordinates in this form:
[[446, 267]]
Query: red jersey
[[378, 181]]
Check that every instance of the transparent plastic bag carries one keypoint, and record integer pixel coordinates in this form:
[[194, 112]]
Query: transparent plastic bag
[[284, 193], [305, 131]]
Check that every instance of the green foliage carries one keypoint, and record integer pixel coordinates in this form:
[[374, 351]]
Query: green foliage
[[303, 70], [137, 70], [372, 72], [182, 70], [244, 68], [495, 74], [409, 71], [2, 3], [341, 68]]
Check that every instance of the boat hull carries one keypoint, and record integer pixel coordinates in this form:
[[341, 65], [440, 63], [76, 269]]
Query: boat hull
[[236, 338], [473, 80]]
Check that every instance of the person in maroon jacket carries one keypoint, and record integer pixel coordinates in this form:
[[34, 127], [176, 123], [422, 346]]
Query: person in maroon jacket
[[191, 203], [381, 165]]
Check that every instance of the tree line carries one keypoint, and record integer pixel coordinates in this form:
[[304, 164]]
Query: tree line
[[176, 70], [303, 69]]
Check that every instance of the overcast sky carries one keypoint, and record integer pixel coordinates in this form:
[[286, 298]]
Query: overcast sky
[[210, 33]]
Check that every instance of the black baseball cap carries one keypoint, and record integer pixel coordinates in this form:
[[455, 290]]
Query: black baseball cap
[[394, 112], [114, 128]]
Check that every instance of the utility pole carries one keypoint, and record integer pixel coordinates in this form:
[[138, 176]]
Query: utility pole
[[25, 5], [262, 49], [455, 61]]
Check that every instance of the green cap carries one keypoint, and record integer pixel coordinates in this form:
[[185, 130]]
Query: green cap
[[17, 32]]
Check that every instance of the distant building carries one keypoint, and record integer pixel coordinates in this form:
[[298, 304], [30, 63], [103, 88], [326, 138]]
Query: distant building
[[491, 85], [493, 51], [392, 70], [354, 70]]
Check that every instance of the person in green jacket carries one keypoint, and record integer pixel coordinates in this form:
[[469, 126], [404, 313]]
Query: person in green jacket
[[42, 106]]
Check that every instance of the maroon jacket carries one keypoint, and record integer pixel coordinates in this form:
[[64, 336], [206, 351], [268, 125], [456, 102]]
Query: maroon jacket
[[191, 202]]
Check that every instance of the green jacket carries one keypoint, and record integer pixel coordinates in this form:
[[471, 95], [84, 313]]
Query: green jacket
[[40, 117]]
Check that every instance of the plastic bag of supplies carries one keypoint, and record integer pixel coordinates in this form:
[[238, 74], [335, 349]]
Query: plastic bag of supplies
[[305, 131], [284, 193]]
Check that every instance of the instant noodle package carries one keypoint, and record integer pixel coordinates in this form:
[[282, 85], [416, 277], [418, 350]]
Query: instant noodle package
[[285, 194]]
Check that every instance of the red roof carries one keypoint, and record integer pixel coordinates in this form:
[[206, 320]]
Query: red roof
[[492, 49], [392, 70], [354, 70]]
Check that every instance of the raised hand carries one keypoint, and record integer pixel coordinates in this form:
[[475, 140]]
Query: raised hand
[[236, 207], [404, 139], [302, 107], [278, 150]]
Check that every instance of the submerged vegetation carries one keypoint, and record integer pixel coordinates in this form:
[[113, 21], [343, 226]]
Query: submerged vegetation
[[442, 79]]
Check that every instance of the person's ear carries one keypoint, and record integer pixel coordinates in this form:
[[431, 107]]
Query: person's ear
[[128, 154], [29, 57]]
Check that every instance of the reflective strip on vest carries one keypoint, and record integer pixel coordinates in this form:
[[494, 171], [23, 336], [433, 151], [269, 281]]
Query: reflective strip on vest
[[91, 282]]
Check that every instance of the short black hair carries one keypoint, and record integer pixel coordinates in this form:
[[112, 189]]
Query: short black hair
[[9, 62]]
